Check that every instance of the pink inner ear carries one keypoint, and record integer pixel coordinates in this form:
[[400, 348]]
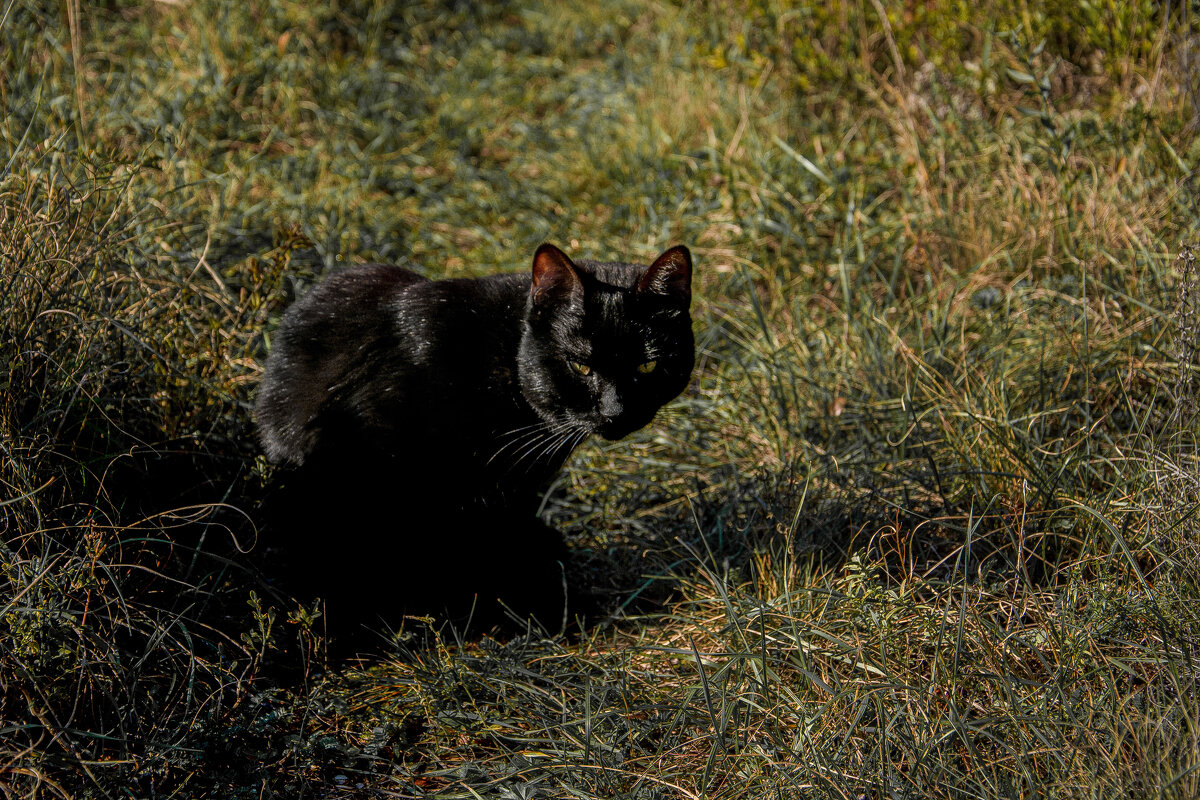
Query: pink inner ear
[[670, 274], [552, 271]]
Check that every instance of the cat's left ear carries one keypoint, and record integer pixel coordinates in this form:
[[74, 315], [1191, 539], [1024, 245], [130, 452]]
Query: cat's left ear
[[553, 274], [670, 275]]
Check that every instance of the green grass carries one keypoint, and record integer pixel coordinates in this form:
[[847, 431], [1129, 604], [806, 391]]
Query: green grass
[[923, 526]]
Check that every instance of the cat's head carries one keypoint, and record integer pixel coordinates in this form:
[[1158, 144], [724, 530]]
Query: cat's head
[[605, 345]]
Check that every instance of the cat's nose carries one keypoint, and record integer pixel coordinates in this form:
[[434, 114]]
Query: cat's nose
[[611, 406]]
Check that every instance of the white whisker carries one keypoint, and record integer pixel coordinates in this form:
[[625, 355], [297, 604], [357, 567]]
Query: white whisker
[[534, 448], [526, 435], [571, 438]]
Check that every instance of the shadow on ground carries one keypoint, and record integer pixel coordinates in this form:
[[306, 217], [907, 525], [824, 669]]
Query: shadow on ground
[[376, 547], [370, 554]]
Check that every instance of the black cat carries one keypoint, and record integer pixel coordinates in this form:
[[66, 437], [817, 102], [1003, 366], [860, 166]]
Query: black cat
[[424, 419]]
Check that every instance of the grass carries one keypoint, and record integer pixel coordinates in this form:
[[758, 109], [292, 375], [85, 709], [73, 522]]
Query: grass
[[923, 526]]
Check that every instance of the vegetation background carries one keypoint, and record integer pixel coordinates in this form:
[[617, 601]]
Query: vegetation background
[[923, 527]]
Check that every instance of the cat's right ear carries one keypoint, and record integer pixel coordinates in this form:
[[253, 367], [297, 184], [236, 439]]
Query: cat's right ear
[[670, 275], [554, 275]]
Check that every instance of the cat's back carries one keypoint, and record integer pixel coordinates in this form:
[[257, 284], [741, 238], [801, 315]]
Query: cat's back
[[364, 286], [338, 313], [373, 341], [344, 315]]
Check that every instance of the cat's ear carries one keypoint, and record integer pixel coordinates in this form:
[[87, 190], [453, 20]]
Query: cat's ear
[[554, 274], [670, 275]]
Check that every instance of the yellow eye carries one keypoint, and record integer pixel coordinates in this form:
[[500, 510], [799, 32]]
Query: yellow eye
[[582, 369], [647, 367]]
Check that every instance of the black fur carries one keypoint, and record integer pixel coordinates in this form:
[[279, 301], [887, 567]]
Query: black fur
[[412, 408]]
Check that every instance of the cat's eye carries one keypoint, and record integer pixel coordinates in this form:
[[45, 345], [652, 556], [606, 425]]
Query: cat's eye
[[581, 368], [647, 367]]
